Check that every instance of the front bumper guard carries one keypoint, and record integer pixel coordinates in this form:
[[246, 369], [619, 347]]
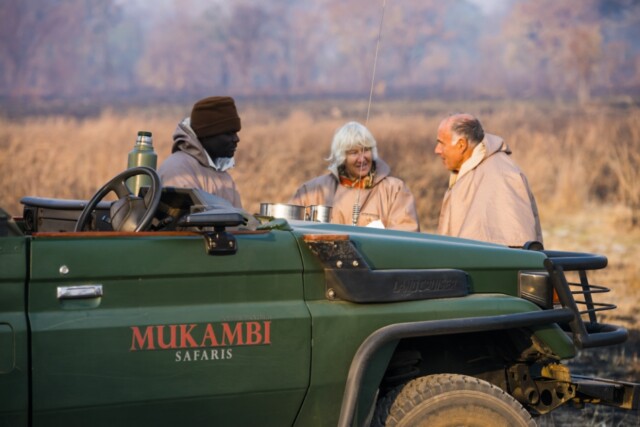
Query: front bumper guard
[[586, 332]]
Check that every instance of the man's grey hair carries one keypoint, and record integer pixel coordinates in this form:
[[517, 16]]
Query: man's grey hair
[[350, 136], [467, 126]]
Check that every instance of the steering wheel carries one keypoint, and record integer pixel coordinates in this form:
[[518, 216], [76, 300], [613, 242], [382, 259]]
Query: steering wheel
[[130, 212]]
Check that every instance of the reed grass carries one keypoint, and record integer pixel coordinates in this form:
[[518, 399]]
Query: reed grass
[[578, 161], [573, 158]]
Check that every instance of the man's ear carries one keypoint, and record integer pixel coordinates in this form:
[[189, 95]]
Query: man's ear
[[462, 144]]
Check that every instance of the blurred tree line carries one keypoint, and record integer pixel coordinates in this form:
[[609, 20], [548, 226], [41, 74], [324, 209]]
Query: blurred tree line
[[105, 49]]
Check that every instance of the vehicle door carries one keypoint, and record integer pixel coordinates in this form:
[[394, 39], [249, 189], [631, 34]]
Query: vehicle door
[[151, 329]]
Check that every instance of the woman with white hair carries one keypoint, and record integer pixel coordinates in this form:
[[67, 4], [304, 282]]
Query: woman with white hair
[[358, 187]]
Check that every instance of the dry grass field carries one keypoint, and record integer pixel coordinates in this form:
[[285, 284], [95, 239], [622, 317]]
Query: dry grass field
[[583, 165]]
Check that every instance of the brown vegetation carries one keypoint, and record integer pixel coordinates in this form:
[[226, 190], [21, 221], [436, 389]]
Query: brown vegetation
[[574, 159], [582, 164]]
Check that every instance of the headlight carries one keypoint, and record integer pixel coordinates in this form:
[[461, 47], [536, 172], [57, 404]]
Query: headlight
[[536, 287]]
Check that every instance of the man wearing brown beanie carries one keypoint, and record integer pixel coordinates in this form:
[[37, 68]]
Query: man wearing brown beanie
[[203, 148]]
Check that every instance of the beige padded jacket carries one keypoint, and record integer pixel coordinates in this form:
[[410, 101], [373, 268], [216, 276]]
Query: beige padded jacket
[[388, 200], [490, 199]]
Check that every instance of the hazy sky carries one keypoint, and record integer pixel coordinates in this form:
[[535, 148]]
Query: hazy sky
[[490, 6]]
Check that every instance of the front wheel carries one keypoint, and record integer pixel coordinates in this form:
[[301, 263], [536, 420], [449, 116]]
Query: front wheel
[[447, 400]]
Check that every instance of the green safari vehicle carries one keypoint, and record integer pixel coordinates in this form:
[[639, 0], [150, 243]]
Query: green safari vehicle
[[170, 307]]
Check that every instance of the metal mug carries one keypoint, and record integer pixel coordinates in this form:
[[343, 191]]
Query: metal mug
[[320, 213], [281, 210]]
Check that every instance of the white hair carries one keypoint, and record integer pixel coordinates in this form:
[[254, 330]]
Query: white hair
[[348, 137]]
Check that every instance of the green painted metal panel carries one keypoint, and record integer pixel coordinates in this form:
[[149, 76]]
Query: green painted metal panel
[[333, 321], [174, 328], [492, 268], [493, 278], [14, 368]]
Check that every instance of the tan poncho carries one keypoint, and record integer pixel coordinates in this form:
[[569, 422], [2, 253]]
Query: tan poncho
[[388, 200], [189, 166], [490, 199]]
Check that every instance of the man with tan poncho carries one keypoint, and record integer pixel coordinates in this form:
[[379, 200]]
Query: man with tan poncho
[[489, 197], [358, 177]]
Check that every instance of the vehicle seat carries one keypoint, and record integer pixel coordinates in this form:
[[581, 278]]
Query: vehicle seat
[[45, 214]]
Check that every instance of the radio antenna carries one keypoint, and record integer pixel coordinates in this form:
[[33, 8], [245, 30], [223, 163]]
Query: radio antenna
[[356, 206], [375, 61]]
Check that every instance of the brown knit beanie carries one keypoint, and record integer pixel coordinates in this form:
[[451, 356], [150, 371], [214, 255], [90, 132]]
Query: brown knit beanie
[[214, 116]]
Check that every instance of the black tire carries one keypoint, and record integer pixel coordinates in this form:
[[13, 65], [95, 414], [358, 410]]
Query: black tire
[[449, 400]]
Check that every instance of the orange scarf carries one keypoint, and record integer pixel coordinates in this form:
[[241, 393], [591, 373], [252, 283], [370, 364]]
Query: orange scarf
[[362, 183]]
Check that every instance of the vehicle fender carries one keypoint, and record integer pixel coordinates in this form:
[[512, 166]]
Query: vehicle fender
[[365, 356]]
